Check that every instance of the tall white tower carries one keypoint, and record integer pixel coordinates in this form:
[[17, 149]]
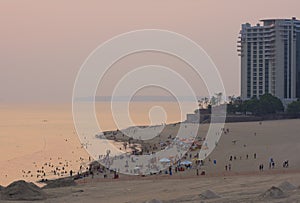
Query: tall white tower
[[270, 59]]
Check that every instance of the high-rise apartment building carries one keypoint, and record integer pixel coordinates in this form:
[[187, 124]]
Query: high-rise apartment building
[[270, 59]]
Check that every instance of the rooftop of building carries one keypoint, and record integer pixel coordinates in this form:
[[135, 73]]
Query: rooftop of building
[[271, 22], [280, 19]]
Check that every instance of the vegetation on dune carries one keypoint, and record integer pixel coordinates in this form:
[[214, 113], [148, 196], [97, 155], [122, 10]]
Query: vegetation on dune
[[264, 105], [294, 107]]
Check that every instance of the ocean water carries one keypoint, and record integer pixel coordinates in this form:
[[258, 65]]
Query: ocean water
[[42, 136]]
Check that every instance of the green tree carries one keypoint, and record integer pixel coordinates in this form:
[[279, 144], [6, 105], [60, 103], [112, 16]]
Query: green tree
[[269, 104], [266, 104], [252, 105], [234, 104], [294, 107]]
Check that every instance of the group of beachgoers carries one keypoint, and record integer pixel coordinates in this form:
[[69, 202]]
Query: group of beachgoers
[[64, 169], [55, 169]]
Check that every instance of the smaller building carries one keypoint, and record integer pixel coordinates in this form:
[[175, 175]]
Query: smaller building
[[199, 116], [193, 118]]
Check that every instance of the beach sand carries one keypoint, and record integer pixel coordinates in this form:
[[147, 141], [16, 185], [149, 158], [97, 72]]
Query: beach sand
[[241, 188], [246, 188]]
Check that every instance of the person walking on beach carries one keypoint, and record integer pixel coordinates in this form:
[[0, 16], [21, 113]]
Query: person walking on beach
[[170, 170], [261, 167], [271, 163], [286, 164]]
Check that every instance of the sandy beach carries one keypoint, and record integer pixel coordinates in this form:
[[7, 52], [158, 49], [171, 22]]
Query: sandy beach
[[244, 147]]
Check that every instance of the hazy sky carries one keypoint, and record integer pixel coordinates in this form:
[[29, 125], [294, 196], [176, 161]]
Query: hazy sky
[[44, 43]]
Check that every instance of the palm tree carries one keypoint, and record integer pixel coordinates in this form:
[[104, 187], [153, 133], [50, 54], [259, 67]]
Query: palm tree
[[213, 101], [232, 99], [219, 98], [206, 101], [200, 103]]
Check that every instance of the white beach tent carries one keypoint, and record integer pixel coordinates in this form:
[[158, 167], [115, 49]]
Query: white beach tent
[[186, 162], [164, 160]]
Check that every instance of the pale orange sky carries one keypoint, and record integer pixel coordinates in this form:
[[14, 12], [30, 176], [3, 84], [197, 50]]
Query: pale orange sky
[[44, 43]]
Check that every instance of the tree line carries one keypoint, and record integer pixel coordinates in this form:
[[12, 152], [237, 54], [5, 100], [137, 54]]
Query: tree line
[[265, 104]]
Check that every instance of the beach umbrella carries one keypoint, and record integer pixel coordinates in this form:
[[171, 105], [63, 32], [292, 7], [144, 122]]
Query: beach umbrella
[[164, 160], [186, 162]]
